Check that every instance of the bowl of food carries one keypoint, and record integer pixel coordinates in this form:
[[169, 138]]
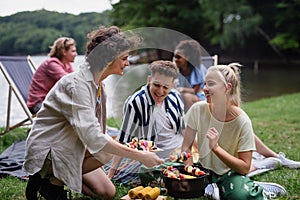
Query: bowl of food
[[185, 181]]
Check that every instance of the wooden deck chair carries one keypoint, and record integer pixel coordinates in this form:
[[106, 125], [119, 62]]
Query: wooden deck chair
[[18, 72], [208, 61]]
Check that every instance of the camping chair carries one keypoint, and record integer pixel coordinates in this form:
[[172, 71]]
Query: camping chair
[[208, 61], [18, 72]]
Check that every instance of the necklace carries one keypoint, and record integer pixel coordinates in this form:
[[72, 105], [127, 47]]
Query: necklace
[[99, 92], [100, 107]]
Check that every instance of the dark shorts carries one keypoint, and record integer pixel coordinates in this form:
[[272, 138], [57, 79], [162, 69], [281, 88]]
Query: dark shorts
[[35, 108]]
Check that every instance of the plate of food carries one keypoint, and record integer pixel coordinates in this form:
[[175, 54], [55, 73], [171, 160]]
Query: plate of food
[[143, 145]]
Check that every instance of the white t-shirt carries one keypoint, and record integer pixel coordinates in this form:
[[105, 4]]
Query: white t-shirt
[[166, 138]]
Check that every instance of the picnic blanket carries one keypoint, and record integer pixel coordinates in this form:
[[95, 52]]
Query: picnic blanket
[[11, 163], [11, 160], [127, 172]]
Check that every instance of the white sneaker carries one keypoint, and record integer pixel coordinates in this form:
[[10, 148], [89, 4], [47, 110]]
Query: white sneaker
[[287, 162], [267, 163], [272, 190], [212, 191]]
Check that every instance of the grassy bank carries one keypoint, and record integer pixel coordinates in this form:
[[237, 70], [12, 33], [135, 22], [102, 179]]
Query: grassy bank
[[276, 121]]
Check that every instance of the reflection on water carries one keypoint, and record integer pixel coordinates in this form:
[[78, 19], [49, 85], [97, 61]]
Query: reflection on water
[[266, 83], [269, 82]]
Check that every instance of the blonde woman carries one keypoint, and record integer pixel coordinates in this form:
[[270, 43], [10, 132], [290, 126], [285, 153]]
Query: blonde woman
[[61, 56], [224, 135]]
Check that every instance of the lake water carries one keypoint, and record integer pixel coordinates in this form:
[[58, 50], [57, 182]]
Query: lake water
[[268, 82]]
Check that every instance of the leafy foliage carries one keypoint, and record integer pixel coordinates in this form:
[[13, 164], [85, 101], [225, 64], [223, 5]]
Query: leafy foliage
[[228, 24], [232, 22], [287, 36], [182, 16], [279, 21], [225, 25], [33, 32]]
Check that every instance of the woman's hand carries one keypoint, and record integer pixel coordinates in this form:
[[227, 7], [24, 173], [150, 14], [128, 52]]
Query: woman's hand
[[213, 137], [111, 173], [149, 159]]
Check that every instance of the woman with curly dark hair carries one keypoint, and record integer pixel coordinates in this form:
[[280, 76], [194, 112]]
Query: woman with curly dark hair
[[68, 143], [187, 57]]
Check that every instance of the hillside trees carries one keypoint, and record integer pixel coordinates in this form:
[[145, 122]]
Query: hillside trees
[[248, 25], [33, 32]]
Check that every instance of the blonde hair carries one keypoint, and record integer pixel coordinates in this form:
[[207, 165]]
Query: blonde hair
[[230, 74], [60, 44]]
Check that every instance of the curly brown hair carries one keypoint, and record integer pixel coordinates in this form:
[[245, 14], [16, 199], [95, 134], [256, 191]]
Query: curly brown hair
[[164, 67], [106, 44], [191, 50]]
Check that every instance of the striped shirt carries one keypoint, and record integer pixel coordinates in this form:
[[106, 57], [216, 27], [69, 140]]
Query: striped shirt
[[139, 118]]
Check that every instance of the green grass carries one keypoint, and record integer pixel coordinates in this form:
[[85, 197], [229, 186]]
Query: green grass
[[276, 121]]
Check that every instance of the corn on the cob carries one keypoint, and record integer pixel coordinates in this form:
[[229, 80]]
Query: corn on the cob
[[141, 194], [152, 194], [134, 191]]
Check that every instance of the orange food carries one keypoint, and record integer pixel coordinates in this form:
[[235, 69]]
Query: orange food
[[134, 192]]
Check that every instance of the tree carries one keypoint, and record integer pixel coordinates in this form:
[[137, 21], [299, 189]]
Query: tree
[[280, 22], [230, 22], [33, 32], [254, 25], [178, 15]]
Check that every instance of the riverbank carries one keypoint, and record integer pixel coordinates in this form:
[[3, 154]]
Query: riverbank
[[275, 120]]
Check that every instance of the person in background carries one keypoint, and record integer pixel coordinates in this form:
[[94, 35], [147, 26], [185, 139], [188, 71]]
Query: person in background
[[68, 144], [187, 56], [154, 113], [225, 137], [61, 56]]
